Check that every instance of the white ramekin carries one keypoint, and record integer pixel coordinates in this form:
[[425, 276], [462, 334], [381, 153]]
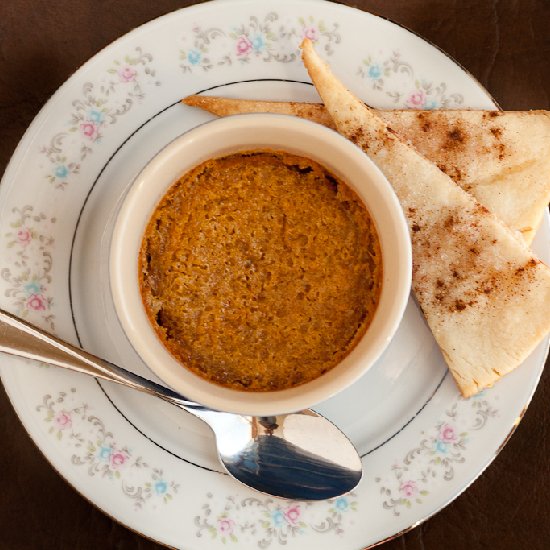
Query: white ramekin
[[249, 132]]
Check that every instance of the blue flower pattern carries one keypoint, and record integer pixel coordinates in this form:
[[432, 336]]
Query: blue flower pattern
[[430, 104], [61, 171], [375, 72], [277, 517], [341, 503], [33, 287], [95, 116], [104, 453], [258, 43], [194, 57], [161, 487]]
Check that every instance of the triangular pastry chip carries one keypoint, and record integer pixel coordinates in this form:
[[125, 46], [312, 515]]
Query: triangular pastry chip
[[485, 296]]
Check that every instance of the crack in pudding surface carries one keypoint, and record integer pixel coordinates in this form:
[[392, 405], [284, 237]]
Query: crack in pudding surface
[[260, 270]]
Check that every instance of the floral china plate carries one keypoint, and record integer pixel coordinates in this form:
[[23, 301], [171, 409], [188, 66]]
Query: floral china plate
[[149, 465]]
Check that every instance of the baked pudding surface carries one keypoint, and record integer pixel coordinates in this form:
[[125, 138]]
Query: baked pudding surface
[[260, 271]]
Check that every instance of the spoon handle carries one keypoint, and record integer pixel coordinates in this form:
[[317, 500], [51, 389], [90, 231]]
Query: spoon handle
[[17, 337]]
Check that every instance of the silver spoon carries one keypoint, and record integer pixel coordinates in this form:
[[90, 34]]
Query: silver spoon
[[299, 456]]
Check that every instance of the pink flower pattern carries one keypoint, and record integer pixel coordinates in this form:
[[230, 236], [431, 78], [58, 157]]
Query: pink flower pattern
[[127, 74], [408, 489], [117, 459], [416, 99], [90, 130], [244, 46], [312, 33], [24, 236], [447, 434], [63, 420], [292, 514], [36, 302], [225, 526]]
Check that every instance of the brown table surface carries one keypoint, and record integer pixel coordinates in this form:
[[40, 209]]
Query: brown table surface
[[505, 44]]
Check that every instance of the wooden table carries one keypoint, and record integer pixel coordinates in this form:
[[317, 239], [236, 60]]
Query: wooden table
[[505, 44]]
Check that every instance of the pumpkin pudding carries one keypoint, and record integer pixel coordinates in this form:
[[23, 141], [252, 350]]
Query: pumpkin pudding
[[260, 271]]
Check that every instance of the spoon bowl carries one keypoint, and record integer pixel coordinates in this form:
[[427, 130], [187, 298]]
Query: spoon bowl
[[300, 456]]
